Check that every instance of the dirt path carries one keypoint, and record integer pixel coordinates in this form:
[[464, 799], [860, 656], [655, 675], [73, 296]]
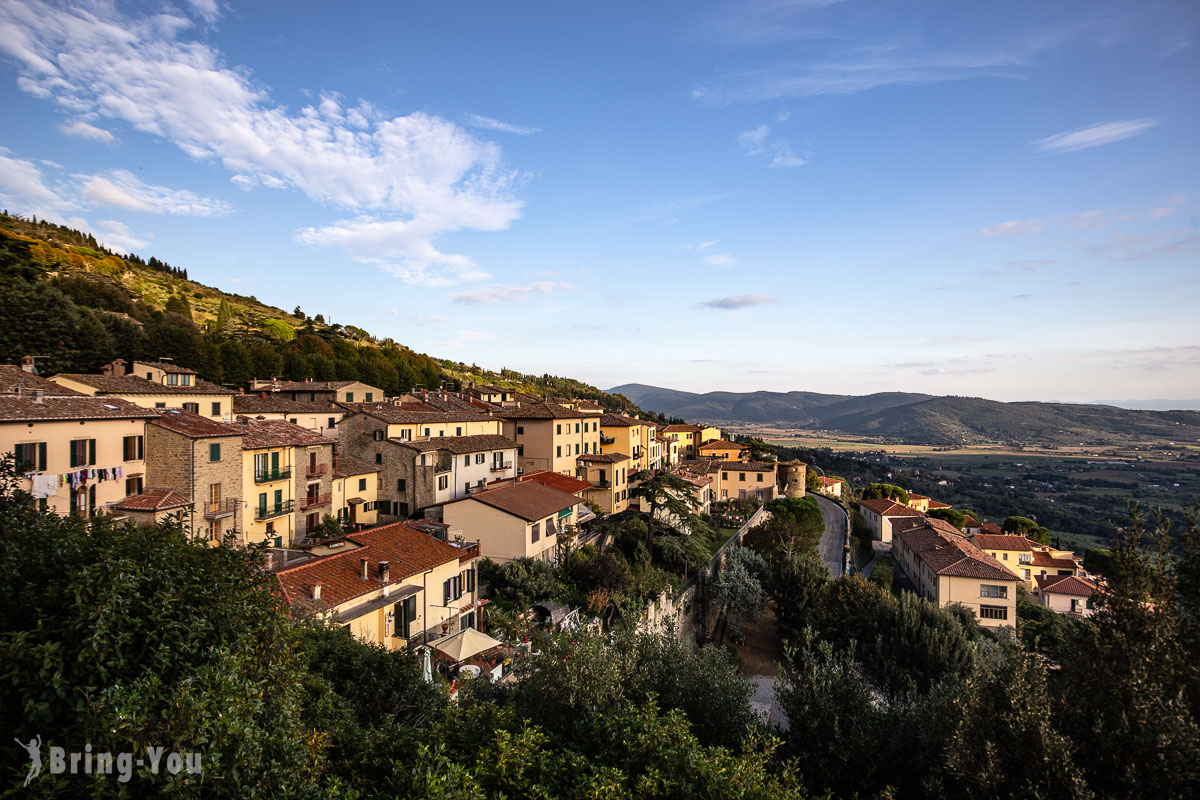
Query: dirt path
[[758, 658]]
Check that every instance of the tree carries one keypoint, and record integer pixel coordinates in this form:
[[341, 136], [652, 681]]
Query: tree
[[328, 527], [739, 588], [1028, 528], [757, 450], [671, 508], [956, 518], [885, 491]]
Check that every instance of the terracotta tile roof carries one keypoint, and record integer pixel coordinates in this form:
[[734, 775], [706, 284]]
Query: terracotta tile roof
[[829, 481], [991, 541], [539, 411], [935, 504], [14, 378], [153, 500], [620, 421], [947, 554], [274, 404], [436, 402], [559, 481], [345, 466], [131, 384], [683, 429], [166, 367], [528, 500], [1043, 559], [460, 445], [721, 444], [193, 425], [915, 496], [60, 407], [408, 551], [1066, 584], [748, 466], [889, 508], [303, 386], [397, 415], [908, 523], [602, 458], [990, 527], [258, 434]]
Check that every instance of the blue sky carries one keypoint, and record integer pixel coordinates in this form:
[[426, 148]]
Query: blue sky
[[997, 199]]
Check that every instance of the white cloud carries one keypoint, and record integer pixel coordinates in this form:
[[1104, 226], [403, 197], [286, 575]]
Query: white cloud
[[777, 152], [238, 281], [83, 130], [24, 190], [116, 236], [122, 189], [207, 9], [720, 260], [702, 245], [738, 301], [500, 294], [487, 123], [1094, 135], [1095, 218], [429, 321], [409, 179]]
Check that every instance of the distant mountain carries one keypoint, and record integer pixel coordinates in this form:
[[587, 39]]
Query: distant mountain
[[924, 419]]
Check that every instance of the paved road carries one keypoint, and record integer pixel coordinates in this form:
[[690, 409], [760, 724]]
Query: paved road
[[834, 537]]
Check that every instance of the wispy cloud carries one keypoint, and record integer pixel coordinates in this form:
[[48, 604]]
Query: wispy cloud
[[669, 212], [408, 179], [734, 302], [120, 188], [487, 123], [776, 152], [117, 236], [720, 260], [83, 130], [238, 281], [1096, 218], [701, 245], [500, 294], [1101, 133]]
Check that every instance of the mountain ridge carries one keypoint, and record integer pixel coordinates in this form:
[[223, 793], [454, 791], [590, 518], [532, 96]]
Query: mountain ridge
[[917, 418]]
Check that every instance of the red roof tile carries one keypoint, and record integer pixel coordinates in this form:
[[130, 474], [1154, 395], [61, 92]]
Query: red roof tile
[[992, 541], [258, 434], [131, 384], [408, 551], [1066, 584], [192, 425], [68, 407], [948, 554], [559, 481], [14, 378], [1043, 559], [528, 500], [153, 500], [889, 508]]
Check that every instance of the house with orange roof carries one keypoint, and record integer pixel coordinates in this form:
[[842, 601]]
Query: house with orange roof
[[608, 474], [393, 585], [947, 569], [723, 450], [918, 502], [880, 513], [1067, 594], [526, 519], [154, 385], [832, 487]]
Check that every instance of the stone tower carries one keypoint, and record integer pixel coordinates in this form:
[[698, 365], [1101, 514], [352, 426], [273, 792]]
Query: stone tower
[[794, 476]]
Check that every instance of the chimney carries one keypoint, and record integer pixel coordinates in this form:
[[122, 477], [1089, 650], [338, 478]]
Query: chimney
[[385, 571], [39, 396], [363, 570], [28, 365], [316, 592]]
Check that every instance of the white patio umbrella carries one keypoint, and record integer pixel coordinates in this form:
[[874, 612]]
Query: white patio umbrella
[[427, 667], [466, 643]]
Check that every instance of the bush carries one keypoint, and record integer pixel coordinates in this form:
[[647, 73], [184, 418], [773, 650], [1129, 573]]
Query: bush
[[882, 574]]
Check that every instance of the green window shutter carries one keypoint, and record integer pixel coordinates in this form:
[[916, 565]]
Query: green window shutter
[[91, 451], [262, 504], [214, 451], [41, 455], [275, 463]]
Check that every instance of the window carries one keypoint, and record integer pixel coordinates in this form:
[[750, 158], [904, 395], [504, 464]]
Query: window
[[332, 423], [452, 589], [407, 614], [172, 380], [379, 458], [742, 477], [131, 448], [558, 450], [760, 477], [577, 427], [214, 451], [32, 456], [362, 484], [292, 420], [995, 592], [401, 484], [427, 431], [443, 481], [458, 430], [520, 430], [349, 397], [520, 449], [83, 452], [480, 458], [467, 576], [558, 428], [993, 612], [214, 494], [576, 449], [192, 407], [467, 487], [724, 476], [535, 532], [133, 486], [379, 436], [466, 460], [160, 405], [370, 396], [216, 410]]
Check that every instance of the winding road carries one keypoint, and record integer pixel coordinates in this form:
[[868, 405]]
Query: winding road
[[833, 540]]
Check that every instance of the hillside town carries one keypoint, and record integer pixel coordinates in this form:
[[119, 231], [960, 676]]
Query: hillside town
[[376, 510]]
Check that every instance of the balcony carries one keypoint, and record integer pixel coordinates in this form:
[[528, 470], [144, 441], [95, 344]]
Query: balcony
[[317, 469], [268, 475], [468, 550], [221, 508], [500, 466], [603, 483], [275, 510], [608, 440], [314, 500]]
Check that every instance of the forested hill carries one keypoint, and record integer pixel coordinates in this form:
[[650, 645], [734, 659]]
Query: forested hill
[[925, 419], [67, 298]]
